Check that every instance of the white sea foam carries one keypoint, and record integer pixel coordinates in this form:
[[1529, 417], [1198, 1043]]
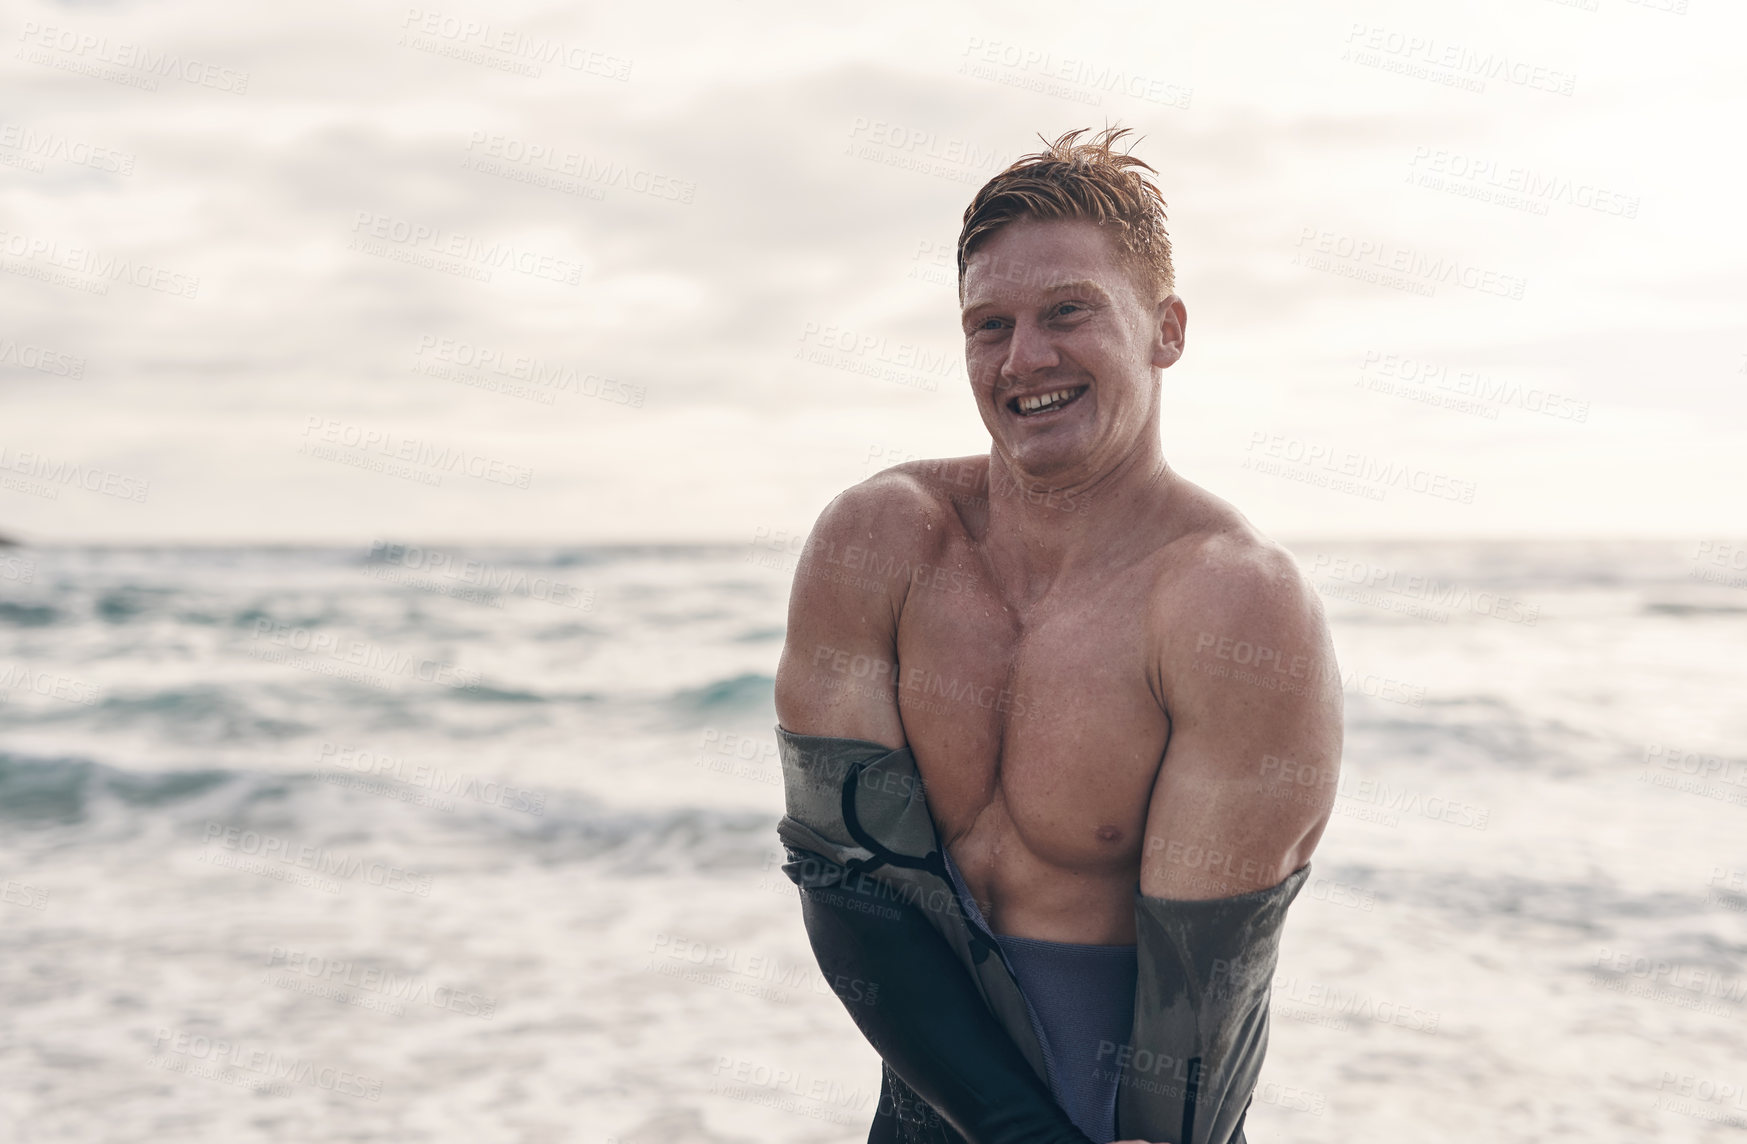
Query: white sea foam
[[547, 908]]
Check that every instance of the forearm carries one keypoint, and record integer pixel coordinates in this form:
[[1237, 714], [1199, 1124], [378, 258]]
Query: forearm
[[926, 1018], [1200, 1030]]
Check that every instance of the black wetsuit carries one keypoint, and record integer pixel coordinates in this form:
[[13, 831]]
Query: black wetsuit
[[964, 1056], [952, 1074]]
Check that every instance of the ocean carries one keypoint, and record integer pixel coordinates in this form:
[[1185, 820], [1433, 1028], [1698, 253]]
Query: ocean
[[394, 843]]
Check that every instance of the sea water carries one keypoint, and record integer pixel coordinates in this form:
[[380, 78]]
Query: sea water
[[402, 843]]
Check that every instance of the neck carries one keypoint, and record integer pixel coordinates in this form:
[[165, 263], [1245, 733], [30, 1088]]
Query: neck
[[1041, 528]]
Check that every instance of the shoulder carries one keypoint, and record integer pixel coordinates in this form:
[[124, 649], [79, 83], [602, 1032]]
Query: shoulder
[[876, 536], [909, 508], [1234, 604], [839, 661], [1238, 576]]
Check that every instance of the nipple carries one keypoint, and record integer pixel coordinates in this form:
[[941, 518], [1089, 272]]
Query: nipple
[[1108, 833]]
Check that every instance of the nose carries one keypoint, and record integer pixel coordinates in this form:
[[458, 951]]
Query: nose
[[1029, 351]]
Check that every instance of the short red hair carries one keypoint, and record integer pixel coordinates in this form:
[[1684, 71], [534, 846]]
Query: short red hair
[[1075, 180]]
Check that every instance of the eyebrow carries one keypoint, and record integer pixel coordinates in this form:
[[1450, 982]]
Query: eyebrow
[[1079, 285]]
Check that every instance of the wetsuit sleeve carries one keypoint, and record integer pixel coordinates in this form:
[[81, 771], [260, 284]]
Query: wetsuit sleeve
[[1206, 969], [920, 1010]]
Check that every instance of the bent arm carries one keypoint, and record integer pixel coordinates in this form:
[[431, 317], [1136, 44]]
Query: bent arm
[[928, 1020], [1249, 773], [838, 671], [1240, 801]]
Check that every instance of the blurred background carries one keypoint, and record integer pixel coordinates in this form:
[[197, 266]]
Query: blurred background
[[410, 418]]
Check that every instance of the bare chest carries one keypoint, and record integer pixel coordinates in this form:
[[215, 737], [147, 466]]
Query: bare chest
[[1038, 731]]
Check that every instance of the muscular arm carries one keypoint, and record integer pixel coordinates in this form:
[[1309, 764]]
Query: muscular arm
[[837, 678], [837, 615], [1254, 698], [1247, 675]]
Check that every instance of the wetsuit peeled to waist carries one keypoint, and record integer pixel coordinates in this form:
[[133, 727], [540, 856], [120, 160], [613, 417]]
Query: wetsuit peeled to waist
[[951, 1021]]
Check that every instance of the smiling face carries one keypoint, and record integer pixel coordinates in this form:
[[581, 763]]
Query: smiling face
[[1063, 349]]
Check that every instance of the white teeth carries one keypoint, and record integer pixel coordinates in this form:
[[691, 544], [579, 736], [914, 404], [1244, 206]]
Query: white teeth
[[1033, 404]]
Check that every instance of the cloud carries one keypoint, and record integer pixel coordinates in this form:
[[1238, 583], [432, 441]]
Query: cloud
[[414, 236]]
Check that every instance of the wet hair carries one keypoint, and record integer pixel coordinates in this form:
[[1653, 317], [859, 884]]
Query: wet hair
[[1075, 180]]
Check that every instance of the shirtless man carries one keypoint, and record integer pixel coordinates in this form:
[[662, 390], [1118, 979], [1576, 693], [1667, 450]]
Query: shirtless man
[[1108, 678]]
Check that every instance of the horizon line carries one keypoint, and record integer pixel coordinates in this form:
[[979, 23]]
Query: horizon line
[[1287, 540]]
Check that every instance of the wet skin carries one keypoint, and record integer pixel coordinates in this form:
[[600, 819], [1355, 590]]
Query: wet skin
[[1107, 676]]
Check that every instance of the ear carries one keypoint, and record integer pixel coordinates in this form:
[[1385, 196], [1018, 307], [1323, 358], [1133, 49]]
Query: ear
[[1170, 320]]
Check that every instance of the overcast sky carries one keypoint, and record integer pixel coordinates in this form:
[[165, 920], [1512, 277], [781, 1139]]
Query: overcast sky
[[264, 265]]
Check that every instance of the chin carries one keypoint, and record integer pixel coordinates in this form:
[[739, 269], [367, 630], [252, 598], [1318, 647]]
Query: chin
[[1043, 464]]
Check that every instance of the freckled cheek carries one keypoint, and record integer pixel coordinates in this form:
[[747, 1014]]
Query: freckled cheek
[[985, 375]]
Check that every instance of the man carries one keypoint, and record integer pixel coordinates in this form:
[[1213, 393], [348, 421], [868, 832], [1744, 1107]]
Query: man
[[1077, 689]]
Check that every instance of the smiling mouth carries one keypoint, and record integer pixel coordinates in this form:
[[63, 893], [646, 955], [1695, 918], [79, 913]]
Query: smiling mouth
[[1046, 402]]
